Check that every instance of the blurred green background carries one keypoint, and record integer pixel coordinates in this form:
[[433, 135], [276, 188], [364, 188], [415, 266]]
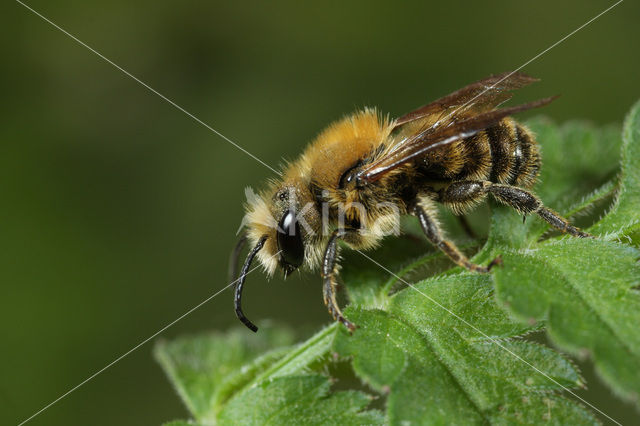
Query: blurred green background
[[119, 211]]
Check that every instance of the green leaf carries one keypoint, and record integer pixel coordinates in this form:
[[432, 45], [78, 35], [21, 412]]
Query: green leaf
[[453, 348], [219, 377], [296, 400], [206, 369], [364, 287], [448, 334], [577, 157], [623, 220], [584, 289], [541, 408]]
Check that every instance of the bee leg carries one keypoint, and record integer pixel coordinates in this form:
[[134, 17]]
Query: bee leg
[[434, 235], [525, 202], [329, 273]]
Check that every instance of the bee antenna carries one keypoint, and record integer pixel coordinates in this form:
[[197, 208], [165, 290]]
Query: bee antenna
[[240, 283], [235, 255]]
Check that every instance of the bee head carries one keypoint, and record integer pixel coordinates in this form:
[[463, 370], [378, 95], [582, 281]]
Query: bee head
[[287, 217], [283, 227]]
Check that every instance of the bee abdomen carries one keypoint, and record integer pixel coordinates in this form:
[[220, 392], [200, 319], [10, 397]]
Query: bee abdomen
[[476, 152], [515, 154]]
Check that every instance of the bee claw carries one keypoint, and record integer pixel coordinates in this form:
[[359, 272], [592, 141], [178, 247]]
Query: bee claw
[[351, 327], [496, 261]]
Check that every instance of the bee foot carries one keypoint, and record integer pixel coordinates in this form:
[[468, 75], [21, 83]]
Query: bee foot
[[350, 326], [495, 262]]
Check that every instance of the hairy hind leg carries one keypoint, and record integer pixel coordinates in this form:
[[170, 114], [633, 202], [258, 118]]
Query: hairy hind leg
[[460, 194], [434, 234], [525, 202]]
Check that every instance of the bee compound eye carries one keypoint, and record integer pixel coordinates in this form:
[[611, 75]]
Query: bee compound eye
[[290, 241]]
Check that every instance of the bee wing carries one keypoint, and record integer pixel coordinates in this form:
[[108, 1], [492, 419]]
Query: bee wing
[[437, 135], [483, 95]]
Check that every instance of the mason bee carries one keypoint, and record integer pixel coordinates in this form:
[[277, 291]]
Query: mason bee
[[363, 172]]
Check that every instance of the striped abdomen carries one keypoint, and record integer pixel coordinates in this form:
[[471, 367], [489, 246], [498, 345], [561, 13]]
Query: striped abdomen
[[506, 153], [515, 156]]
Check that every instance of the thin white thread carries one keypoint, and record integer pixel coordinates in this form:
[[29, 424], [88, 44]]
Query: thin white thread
[[534, 58], [124, 355], [490, 338], [145, 85]]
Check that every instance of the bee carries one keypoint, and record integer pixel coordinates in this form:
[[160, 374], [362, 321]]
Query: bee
[[363, 172]]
